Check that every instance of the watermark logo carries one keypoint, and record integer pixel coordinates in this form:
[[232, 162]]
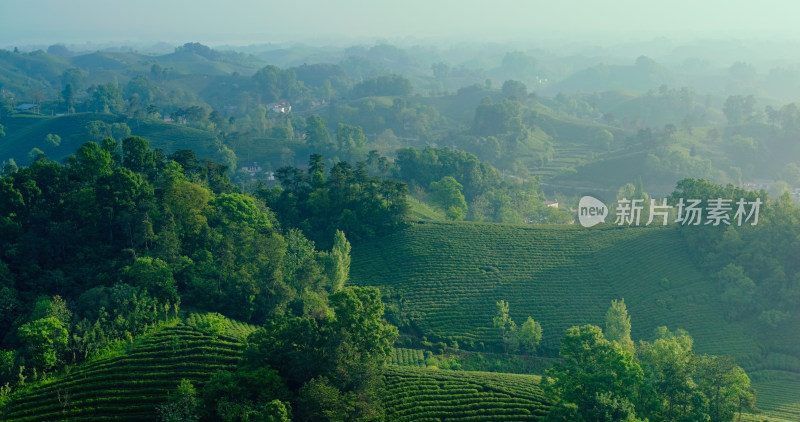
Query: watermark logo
[[717, 212], [591, 211]]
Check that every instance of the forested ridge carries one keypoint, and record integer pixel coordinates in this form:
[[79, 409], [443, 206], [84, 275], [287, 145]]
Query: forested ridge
[[102, 248]]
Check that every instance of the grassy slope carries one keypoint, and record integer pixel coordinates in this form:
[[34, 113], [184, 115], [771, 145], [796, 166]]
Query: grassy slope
[[421, 210], [24, 132]]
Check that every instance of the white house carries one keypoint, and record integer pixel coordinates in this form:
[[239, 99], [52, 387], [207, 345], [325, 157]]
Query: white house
[[281, 107], [253, 169]]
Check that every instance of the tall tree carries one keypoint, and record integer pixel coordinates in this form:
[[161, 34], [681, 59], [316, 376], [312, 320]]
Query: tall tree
[[339, 262], [669, 364], [726, 387], [507, 327], [68, 94], [618, 325]]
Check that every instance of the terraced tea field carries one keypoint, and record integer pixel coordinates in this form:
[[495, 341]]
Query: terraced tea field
[[415, 394], [452, 274], [407, 357], [128, 387], [778, 393]]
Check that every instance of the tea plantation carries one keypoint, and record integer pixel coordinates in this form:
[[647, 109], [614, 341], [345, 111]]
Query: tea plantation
[[131, 383], [450, 275], [128, 386], [415, 394]]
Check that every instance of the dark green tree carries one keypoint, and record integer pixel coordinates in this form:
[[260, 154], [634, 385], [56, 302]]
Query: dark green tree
[[596, 375]]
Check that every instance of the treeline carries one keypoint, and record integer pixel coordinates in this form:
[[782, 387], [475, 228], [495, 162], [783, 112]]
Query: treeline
[[76, 88], [120, 236], [466, 187], [754, 266], [506, 133], [603, 376], [348, 199]]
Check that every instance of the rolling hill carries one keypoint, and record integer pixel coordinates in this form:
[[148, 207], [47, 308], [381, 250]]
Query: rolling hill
[[415, 394], [450, 275], [24, 132], [128, 386]]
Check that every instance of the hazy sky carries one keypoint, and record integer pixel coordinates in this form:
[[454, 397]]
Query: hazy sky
[[26, 22]]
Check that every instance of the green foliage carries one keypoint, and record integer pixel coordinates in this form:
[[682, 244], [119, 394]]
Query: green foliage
[[319, 139], [669, 364], [447, 194], [155, 276], [106, 98], [45, 340], [338, 267], [350, 140], [739, 109], [127, 237], [272, 83], [51, 139], [349, 200], [332, 362], [35, 154], [394, 85], [618, 325], [737, 290], [595, 374], [181, 405], [726, 387], [213, 324], [137, 155], [507, 327], [130, 385], [245, 395], [749, 263], [529, 336]]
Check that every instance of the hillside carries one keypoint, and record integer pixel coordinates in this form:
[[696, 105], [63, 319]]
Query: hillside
[[451, 274], [414, 394], [25, 132], [127, 386], [644, 75]]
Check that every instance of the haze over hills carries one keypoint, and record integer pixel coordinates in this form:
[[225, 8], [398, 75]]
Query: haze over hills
[[349, 211]]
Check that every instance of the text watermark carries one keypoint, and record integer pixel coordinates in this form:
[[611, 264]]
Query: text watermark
[[692, 212]]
